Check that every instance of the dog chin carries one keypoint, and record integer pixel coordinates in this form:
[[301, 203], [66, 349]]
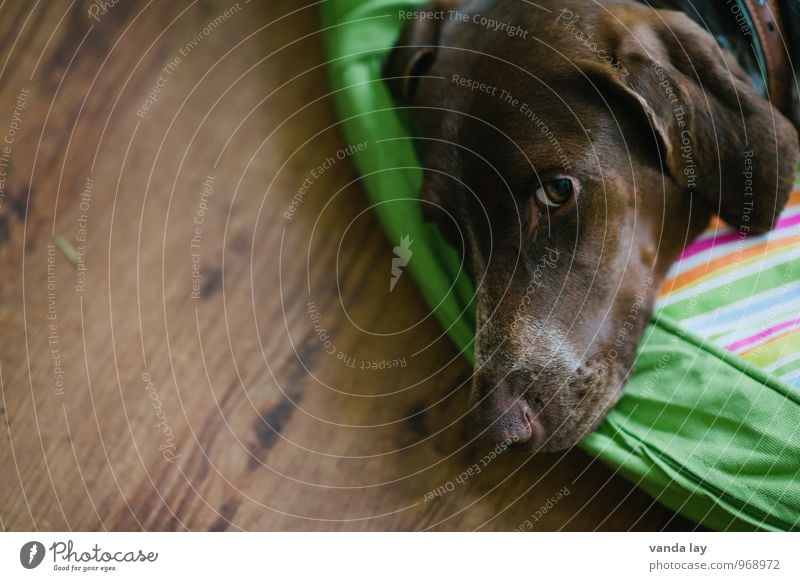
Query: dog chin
[[566, 439], [561, 433]]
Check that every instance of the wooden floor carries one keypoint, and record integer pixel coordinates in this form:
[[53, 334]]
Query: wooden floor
[[166, 329]]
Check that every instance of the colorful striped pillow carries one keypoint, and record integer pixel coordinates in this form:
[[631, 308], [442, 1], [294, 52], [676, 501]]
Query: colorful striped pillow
[[743, 293]]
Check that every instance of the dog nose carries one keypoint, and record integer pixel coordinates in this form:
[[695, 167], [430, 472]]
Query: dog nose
[[506, 425]]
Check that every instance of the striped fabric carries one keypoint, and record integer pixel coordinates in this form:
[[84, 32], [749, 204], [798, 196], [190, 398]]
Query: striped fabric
[[743, 292]]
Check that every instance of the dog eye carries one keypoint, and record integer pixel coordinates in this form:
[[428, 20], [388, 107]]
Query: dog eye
[[555, 193]]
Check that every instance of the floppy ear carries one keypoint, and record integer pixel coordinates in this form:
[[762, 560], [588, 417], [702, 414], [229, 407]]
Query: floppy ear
[[416, 49], [719, 138]]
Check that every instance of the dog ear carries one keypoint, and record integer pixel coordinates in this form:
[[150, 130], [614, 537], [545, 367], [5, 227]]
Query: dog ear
[[415, 51], [719, 138]]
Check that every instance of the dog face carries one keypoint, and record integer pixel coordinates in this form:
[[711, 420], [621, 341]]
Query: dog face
[[571, 153]]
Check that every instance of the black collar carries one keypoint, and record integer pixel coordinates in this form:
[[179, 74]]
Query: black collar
[[754, 32]]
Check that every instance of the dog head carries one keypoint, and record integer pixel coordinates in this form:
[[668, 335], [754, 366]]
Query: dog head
[[571, 150]]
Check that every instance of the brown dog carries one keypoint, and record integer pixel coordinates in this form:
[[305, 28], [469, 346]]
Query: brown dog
[[572, 159]]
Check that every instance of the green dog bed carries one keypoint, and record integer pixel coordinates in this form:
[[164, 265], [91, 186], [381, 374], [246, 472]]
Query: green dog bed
[[709, 433]]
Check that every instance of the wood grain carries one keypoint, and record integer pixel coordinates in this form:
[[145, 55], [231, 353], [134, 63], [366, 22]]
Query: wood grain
[[133, 400]]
